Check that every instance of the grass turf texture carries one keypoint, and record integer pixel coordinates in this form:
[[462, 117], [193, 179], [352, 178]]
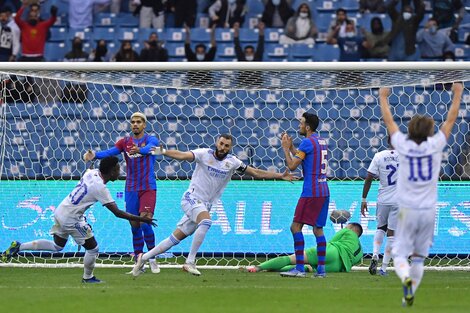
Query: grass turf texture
[[60, 290]]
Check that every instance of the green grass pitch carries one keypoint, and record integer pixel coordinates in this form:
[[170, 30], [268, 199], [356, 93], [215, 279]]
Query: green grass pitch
[[60, 290]]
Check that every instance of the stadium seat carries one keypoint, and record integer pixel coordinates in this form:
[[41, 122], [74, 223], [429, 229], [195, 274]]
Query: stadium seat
[[105, 19], [104, 33], [327, 6], [128, 33], [299, 52], [271, 35], [127, 20], [200, 35], [351, 6], [325, 52], [202, 20], [276, 52], [55, 51], [223, 35], [225, 52], [248, 36], [175, 35], [86, 34], [144, 34], [251, 20], [461, 51], [255, 6], [58, 34]]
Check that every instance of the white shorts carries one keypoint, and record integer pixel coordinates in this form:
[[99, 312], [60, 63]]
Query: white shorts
[[414, 233], [79, 230], [387, 215], [191, 208]]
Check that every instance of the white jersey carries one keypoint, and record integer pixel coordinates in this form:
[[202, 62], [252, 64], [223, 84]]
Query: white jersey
[[419, 170], [211, 175], [384, 166], [88, 191]]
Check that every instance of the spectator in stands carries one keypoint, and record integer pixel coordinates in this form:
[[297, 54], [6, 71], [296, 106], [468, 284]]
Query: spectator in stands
[[77, 54], [185, 12], [201, 55], [225, 13], [444, 12], [10, 38], [100, 53], [300, 28], [126, 53], [372, 6], [338, 26], [402, 37], [151, 13], [448, 56], [34, 34], [249, 53], [277, 12], [375, 46], [350, 45], [432, 42], [153, 51], [81, 12]]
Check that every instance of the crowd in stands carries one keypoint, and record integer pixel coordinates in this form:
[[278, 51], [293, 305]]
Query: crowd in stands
[[394, 30]]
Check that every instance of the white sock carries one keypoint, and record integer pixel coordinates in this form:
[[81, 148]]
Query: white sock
[[198, 238], [40, 245], [402, 267], [378, 240], [388, 253], [89, 262], [163, 246], [416, 271]]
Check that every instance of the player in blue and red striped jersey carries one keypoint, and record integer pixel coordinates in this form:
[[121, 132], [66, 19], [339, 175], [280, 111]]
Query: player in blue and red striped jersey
[[141, 186], [312, 207]]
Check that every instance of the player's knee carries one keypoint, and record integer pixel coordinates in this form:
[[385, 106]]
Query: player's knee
[[205, 223], [384, 228], [94, 251]]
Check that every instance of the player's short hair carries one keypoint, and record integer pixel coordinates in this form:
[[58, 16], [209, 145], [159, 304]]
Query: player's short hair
[[139, 114], [420, 128], [311, 120], [358, 227], [226, 136], [107, 164]]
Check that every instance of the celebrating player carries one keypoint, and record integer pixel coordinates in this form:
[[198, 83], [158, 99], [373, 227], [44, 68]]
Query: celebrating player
[[342, 252], [214, 169], [420, 156], [312, 207], [384, 165], [141, 186], [70, 221]]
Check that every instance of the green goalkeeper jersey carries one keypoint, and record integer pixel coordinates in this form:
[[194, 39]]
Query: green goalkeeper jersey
[[349, 247]]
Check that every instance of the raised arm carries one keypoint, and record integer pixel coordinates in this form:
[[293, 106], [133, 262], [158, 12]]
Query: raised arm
[[127, 216], [392, 127], [262, 174], [446, 128]]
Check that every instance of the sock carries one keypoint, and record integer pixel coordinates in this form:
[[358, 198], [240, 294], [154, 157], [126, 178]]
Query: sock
[[137, 240], [402, 267], [40, 244], [149, 236], [388, 253], [416, 271], [275, 264], [299, 251], [378, 240], [163, 246], [198, 238], [89, 262], [321, 252]]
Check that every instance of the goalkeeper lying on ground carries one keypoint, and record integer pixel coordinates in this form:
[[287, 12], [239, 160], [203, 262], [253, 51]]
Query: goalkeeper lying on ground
[[342, 252]]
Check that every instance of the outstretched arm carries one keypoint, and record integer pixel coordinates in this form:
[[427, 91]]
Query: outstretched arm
[[365, 192], [446, 128], [262, 174], [392, 127], [174, 154], [127, 216]]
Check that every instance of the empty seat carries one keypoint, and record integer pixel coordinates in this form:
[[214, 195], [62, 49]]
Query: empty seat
[[104, 33], [55, 51]]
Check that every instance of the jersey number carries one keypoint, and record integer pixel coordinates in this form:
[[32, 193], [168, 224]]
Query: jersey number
[[420, 168], [78, 193], [324, 161], [393, 170]]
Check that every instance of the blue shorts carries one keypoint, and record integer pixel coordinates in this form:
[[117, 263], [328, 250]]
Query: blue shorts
[[141, 201]]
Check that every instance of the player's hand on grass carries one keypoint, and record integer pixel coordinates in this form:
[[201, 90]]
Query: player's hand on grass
[[384, 92], [289, 176], [364, 208], [88, 156], [158, 150]]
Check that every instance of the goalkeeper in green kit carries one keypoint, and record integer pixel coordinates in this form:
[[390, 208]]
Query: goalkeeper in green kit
[[342, 252]]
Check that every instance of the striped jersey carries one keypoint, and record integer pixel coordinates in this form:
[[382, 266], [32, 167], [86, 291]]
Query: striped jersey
[[313, 152], [140, 172]]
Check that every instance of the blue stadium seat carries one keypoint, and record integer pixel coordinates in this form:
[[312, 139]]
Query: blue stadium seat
[[301, 52], [128, 33], [58, 34], [463, 33], [175, 35], [86, 34], [23, 168], [127, 20], [223, 35], [175, 50], [202, 20], [276, 52], [271, 35], [462, 51], [248, 36], [251, 20], [55, 51], [255, 6], [351, 6], [328, 6], [200, 35], [105, 19], [104, 33], [225, 52], [326, 53]]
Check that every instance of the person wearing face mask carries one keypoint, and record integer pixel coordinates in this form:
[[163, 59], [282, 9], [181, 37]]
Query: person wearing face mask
[[249, 53], [34, 34], [100, 53], [402, 37], [338, 25], [225, 13], [374, 40], [277, 12], [200, 54], [126, 53], [153, 51], [300, 28], [77, 54], [10, 41], [433, 43], [350, 45]]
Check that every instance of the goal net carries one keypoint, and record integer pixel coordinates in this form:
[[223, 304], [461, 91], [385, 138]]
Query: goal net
[[50, 114]]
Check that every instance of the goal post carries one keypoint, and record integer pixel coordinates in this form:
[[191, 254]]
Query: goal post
[[51, 113]]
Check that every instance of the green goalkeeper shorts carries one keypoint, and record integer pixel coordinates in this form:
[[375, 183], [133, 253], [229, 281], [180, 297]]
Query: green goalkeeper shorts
[[332, 260]]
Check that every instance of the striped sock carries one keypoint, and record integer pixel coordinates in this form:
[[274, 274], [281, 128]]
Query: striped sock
[[299, 251], [321, 252], [137, 240], [149, 236]]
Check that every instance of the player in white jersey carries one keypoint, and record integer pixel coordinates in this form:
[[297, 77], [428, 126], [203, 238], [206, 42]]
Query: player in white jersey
[[420, 156], [69, 219], [214, 169], [384, 166]]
